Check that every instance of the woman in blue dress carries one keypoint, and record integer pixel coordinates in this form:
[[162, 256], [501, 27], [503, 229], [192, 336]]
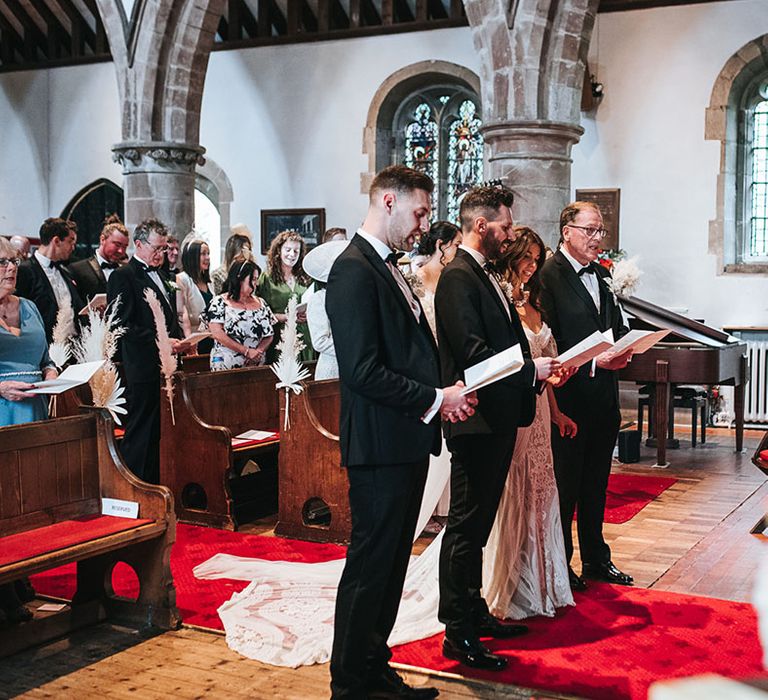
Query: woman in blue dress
[[23, 360]]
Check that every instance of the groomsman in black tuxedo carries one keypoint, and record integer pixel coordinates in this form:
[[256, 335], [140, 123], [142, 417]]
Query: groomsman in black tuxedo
[[389, 376], [91, 275], [140, 447], [43, 278], [577, 301], [474, 322]]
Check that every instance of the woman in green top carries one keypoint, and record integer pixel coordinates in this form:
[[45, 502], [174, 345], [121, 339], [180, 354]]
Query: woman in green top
[[284, 278]]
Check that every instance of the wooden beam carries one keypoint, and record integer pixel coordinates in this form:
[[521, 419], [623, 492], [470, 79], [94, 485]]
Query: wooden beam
[[56, 31], [278, 18], [308, 19], [403, 11], [354, 13], [370, 15], [11, 42], [293, 17], [33, 37], [437, 9], [235, 28], [387, 12], [249, 23], [623, 5]]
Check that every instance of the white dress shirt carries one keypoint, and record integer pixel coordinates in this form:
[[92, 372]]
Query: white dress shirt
[[480, 259], [589, 281], [154, 275], [106, 271], [56, 279]]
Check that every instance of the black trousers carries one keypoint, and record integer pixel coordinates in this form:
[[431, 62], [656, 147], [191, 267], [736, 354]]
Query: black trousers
[[140, 446], [479, 467], [384, 503], [582, 467]]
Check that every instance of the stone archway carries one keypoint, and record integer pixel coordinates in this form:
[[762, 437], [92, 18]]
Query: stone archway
[[725, 123], [214, 181]]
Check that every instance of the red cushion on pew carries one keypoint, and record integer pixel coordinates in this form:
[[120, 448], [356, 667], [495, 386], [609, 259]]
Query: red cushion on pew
[[51, 538], [764, 455]]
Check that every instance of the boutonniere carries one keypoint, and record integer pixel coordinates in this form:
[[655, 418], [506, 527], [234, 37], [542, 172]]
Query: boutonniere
[[171, 286]]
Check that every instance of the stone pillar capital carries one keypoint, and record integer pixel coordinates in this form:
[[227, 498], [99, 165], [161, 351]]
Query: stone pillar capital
[[157, 157], [537, 139]]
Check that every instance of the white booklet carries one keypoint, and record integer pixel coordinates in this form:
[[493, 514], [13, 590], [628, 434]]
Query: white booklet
[[500, 366], [251, 436], [586, 350], [197, 336], [72, 376], [638, 341], [97, 302]]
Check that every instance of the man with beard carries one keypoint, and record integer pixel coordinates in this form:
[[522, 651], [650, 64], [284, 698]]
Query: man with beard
[[389, 374], [474, 322], [576, 302]]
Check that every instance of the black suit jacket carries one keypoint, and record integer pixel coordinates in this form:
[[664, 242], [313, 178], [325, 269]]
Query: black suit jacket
[[32, 283], [572, 315], [388, 363], [473, 325], [138, 345], [89, 277]]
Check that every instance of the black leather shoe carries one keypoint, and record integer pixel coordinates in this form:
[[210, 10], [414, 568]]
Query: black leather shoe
[[489, 626], [607, 572], [471, 653], [390, 685], [577, 582]]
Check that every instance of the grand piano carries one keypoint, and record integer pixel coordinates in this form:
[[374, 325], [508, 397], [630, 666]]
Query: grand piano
[[692, 354]]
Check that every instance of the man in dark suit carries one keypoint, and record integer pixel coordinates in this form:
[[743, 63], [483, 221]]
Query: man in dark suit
[[43, 278], [91, 275], [474, 322], [389, 374], [576, 301], [140, 447]]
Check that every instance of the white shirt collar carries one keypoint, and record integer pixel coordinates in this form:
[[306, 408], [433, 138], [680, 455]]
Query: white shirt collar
[[99, 259], [378, 245], [44, 261], [476, 254], [575, 264]]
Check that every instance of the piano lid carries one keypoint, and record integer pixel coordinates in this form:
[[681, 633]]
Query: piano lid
[[659, 317]]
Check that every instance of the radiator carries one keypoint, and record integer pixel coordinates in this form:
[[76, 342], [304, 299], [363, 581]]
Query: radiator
[[756, 395]]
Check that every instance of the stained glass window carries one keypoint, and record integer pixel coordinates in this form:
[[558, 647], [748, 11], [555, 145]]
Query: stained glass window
[[437, 131], [758, 191]]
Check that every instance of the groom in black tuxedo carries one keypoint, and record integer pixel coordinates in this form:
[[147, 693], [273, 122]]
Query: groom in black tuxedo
[[389, 374], [140, 447], [474, 322], [576, 302]]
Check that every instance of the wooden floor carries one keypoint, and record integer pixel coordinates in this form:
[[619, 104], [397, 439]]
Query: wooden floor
[[693, 538]]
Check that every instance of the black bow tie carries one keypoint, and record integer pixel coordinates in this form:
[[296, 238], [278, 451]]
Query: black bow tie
[[150, 268], [109, 265], [490, 267], [586, 271], [56, 264], [394, 257]]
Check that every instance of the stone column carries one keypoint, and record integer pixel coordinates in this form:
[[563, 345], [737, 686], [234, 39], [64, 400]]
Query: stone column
[[159, 182], [533, 158]]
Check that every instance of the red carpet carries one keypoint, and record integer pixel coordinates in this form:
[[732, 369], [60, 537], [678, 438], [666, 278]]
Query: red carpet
[[612, 645], [616, 642], [628, 494]]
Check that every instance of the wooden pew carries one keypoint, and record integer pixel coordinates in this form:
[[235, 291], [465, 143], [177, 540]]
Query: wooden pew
[[310, 467], [53, 475], [197, 461]]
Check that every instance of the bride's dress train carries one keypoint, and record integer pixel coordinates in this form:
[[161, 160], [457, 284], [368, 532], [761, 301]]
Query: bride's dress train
[[284, 616]]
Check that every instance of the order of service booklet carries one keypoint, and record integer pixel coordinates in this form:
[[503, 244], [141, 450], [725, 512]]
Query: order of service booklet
[[500, 366], [72, 376]]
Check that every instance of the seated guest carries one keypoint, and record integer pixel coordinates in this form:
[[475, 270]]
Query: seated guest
[[318, 265], [195, 290], [238, 246], [22, 244], [91, 275], [171, 263], [44, 280], [23, 361], [334, 234], [285, 278], [240, 322]]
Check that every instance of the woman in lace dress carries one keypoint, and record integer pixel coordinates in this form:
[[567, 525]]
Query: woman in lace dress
[[525, 570]]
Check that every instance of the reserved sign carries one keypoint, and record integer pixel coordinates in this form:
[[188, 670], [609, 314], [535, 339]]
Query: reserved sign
[[122, 509]]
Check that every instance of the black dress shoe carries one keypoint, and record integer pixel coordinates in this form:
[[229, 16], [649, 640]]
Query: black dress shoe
[[607, 572], [489, 626], [577, 582], [471, 653], [390, 685]]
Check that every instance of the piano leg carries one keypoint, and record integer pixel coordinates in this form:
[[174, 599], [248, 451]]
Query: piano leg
[[662, 412], [738, 402]]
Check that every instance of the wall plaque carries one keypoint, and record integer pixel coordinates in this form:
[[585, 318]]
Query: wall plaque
[[608, 201]]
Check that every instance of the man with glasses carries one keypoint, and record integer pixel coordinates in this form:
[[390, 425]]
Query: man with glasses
[[576, 302], [43, 278], [141, 362]]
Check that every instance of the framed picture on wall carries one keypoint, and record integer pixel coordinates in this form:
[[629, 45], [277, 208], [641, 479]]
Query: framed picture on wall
[[308, 223], [608, 200]]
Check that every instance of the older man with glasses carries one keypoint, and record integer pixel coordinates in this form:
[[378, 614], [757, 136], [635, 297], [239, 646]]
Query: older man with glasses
[[577, 301], [140, 447]]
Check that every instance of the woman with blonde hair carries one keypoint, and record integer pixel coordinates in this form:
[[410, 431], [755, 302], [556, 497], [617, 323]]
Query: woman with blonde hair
[[285, 278], [238, 247]]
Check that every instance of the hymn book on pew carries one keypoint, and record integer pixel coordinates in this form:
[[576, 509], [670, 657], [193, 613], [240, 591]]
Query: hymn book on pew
[[500, 366], [253, 437], [72, 376]]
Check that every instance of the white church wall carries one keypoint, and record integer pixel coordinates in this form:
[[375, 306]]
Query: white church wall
[[647, 137]]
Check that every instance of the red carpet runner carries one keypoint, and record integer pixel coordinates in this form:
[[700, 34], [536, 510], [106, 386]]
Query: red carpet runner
[[628, 494], [612, 645]]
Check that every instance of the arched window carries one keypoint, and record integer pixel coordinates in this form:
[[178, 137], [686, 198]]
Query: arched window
[[437, 131], [88, 209], [756, 178]]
